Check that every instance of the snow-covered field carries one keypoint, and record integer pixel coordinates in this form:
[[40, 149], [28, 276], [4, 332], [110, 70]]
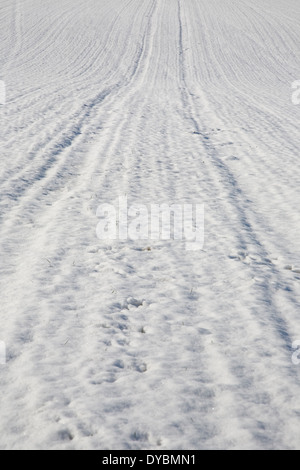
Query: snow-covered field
[[143, 344]]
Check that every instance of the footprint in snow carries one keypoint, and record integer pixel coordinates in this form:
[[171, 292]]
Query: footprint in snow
[[250, 258], [65, 435], [132, 302], [292, 268]]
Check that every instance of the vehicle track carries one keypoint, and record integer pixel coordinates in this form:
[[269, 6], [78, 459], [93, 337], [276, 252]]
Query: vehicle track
[[112, 337]]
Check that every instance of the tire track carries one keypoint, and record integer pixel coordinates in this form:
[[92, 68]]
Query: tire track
[[67, 139], [111, 338], [234, 201]]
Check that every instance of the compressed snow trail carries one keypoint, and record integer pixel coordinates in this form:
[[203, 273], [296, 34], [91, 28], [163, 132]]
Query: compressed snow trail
[[144, 345]]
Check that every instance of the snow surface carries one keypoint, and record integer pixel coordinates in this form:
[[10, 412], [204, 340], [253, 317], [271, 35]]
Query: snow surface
[[144, 345]]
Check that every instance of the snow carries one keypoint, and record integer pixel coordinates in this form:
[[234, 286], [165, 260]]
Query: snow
[[142, 344]]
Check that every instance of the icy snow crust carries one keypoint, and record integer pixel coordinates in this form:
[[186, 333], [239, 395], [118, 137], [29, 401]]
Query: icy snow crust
[[144, 345]]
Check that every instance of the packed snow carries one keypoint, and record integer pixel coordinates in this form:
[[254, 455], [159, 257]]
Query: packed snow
[[143, 344]]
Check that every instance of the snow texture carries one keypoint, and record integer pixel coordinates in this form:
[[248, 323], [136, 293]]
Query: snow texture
[[142, 344]]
